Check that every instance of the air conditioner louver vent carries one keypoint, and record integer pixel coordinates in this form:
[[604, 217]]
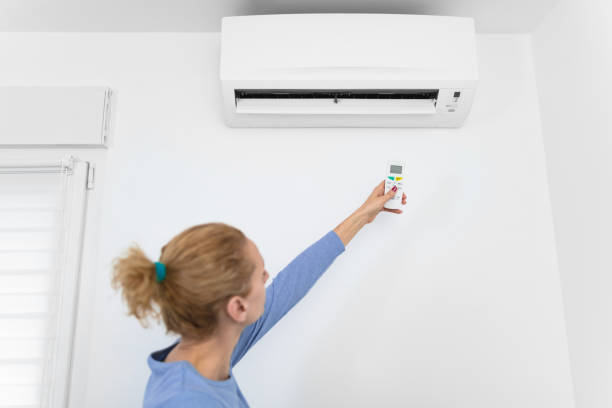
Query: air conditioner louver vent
[[336, 94]]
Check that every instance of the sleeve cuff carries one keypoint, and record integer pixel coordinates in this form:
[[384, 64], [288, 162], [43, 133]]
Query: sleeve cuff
[[335, 242]]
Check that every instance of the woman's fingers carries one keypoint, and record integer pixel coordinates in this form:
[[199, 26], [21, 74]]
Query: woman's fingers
[[378, 190]]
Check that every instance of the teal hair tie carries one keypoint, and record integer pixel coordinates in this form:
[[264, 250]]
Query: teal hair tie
[[160, 271]]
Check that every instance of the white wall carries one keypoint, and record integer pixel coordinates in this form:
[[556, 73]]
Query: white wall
[[455, 303], [573, 59]]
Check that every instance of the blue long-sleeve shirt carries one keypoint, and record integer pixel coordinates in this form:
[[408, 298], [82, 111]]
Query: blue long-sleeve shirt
[[179, 384]]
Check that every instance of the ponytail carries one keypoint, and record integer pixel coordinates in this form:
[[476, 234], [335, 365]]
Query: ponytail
[[135, 275]]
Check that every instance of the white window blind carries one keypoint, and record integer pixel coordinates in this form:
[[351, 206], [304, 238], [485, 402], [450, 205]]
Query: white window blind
[[42, 210]]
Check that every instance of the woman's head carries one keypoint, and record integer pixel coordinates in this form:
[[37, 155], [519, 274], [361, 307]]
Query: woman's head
[[214, 274]]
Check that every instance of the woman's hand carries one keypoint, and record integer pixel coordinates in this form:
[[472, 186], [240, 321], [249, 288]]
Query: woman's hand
[[375, 202], [366, 213]]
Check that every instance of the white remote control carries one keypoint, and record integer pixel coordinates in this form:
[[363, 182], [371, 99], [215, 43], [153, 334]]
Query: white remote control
[[395, 177]]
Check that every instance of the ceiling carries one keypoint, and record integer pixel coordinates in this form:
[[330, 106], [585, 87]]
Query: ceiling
[[491, 16]]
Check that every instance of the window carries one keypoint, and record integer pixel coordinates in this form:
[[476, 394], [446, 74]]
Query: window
[[42, 209]]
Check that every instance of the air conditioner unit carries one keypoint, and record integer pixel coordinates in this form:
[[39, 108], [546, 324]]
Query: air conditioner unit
[[347, 70]]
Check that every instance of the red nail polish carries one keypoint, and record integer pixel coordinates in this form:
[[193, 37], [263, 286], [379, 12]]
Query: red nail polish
[[394, 188]]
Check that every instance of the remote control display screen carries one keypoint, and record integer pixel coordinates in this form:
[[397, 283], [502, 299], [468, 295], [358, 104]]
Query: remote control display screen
[[396, 169]]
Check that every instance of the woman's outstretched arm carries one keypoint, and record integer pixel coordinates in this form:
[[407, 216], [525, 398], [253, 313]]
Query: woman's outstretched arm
[[295, 280]]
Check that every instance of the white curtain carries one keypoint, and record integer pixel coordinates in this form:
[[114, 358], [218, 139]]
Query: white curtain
[[41, 225]]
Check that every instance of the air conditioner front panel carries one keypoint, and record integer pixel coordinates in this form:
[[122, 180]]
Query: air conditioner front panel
[[360, 45]]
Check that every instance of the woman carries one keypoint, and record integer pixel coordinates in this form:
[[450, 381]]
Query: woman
[[208, 287]]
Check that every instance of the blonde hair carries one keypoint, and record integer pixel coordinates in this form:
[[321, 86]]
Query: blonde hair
[[205, 266]]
